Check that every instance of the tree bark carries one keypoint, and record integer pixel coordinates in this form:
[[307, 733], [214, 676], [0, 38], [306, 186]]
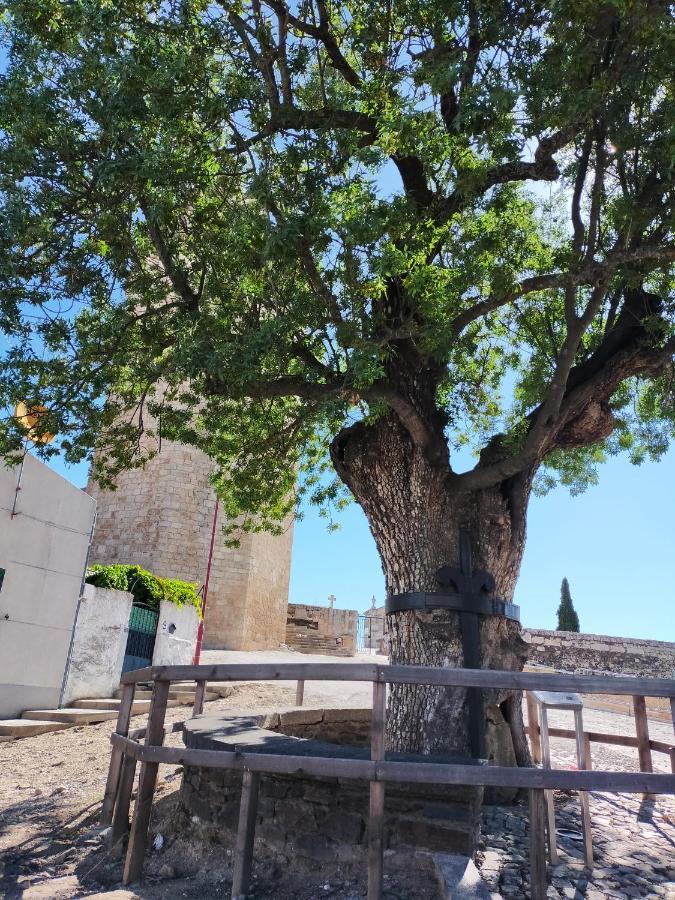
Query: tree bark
[[415, 517]]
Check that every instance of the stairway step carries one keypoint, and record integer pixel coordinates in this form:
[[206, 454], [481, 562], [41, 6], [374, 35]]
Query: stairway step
[[187, 699], [72, 716], [326, 652], [19, 728], [176, 698], [139, 695], [140, 706]]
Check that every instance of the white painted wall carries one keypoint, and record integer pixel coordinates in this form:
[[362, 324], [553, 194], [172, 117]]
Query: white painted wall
[[101, 634], [176, 635], [43, 549]]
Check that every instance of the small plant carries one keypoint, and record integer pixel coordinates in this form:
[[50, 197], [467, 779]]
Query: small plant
[[147, 589], [568, 620]]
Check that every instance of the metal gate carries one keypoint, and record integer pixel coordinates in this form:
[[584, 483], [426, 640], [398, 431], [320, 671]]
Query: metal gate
[[141, 638], [369, 631]]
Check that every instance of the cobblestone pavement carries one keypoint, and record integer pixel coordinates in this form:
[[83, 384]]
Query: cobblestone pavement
[[633, 839]]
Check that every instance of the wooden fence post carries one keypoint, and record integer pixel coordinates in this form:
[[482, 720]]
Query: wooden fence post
[[123, 717], [584, 759], [533, 727], [198, 707], [538, 886], [154, 735], [550, 806], [120, 822], [243, 853], [642, 731], [376, 807], [300, 693]]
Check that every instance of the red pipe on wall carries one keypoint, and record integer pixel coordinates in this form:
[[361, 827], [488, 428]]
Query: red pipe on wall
[[200, 630]]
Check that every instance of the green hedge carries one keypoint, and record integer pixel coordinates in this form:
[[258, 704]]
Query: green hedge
[[147, 588]]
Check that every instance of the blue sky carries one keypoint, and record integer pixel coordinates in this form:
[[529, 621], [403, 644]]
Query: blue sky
[[614, 543]]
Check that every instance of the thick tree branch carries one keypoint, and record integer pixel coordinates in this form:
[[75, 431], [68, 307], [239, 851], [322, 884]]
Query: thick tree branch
[[322, 33], [422, 435], [414, 179], [174, 272], [590, 273], [576, 409]]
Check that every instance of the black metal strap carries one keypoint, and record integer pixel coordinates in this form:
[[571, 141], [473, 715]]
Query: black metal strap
[[473, 603]]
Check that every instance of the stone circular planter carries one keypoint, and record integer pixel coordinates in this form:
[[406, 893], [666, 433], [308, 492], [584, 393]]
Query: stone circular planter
[[310, 819]]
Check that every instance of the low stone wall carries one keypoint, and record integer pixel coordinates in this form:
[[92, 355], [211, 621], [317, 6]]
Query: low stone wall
[[321, 629], [568, 651], [176, 635], [310, 820], [337, 726], [100, 639]]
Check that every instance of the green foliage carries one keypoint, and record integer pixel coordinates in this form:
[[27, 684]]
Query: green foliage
[[568, 620], [215, 235], [146, 588]]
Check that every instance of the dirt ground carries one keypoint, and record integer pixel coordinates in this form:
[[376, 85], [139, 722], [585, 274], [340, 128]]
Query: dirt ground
[[52, 847]]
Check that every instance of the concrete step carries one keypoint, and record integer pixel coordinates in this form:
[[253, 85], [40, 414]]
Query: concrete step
[[325, 651], [71, 716], [185, 698], [182, 697], [139, 707], [19, 728]]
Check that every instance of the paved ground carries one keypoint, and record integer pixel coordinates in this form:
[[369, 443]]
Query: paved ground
[[51, 787], [336, 693]]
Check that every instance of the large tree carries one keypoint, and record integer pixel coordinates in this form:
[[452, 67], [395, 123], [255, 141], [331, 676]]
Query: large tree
[[368, 234]]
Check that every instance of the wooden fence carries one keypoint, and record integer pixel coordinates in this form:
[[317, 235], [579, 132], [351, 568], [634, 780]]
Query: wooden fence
[[127, 751]]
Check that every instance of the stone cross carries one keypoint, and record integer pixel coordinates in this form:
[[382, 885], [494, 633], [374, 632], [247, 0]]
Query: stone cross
[[331, 600]]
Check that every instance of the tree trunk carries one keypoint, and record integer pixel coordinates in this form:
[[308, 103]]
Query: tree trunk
[[415, 518]]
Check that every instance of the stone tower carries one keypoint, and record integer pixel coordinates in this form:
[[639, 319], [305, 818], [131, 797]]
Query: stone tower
[[161, 518]]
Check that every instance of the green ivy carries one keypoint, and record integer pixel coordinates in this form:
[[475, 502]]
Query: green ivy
[[146, 588]]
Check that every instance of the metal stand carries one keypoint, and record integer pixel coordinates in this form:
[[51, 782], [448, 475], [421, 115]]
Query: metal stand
[[538, 704]]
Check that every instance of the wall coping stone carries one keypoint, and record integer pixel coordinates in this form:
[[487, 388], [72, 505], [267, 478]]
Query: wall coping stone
[[244, 734], [535, 635]]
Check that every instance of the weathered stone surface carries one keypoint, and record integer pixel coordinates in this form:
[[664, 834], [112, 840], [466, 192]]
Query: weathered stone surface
[[300, 717], [99, 643], [632, 841], [348, 715], [320, 819], [161, 517], [572, 652], [459, 879], [53, 889]]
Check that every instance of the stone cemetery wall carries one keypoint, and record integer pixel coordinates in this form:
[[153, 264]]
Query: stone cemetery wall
[[99, 643], [321, 629], [161, 517], [571, 652]]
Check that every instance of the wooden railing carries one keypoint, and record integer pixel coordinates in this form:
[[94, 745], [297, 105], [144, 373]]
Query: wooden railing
[[127, 751]]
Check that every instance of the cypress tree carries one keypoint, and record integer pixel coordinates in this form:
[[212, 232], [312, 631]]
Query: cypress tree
[[568, 620]]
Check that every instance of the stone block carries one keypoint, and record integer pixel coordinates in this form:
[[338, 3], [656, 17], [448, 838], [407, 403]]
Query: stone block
[[301, 716], [312, 847], [434, 835], [348, 715]]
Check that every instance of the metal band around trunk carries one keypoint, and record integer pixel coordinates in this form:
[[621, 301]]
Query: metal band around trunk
[[474, 603]]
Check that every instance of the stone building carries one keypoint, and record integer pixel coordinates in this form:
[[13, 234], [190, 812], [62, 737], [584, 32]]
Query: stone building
[[161, 518]]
